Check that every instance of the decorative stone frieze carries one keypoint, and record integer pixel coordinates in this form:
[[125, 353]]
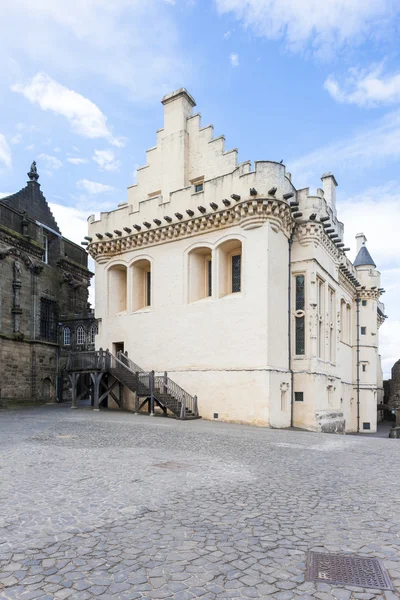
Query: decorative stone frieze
[[249, 214]]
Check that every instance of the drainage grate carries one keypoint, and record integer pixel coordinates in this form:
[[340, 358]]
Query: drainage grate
[[346, 569]]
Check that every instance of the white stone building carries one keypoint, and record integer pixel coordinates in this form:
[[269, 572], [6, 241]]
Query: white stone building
[[237, 284]]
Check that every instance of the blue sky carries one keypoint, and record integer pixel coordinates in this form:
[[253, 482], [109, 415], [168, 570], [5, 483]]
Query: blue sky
[[315, 83]]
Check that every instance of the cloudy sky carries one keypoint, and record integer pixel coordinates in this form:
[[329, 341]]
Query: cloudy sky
[[315, 83]]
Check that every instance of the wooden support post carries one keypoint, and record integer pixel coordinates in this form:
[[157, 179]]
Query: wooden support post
[[96, 378], [73, 377], [165, 382], [183, 409], [195, 409], [151, 382], [121, 394]]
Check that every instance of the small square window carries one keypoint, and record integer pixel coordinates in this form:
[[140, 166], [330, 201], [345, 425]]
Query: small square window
[[366, 425], [299, 396], [363, 331], [198, 187], [364, 302], [215, 415]]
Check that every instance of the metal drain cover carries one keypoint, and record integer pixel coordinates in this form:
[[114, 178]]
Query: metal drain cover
[[347, 569]]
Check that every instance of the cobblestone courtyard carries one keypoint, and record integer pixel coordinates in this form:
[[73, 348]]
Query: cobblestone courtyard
[[108, 505]]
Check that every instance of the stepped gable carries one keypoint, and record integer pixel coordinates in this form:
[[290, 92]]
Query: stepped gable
[[32, 200]]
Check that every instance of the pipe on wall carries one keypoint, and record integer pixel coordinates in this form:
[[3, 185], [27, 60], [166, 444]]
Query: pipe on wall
[[290, 241]]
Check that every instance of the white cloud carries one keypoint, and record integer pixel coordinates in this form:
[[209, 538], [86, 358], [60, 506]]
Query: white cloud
[[376, 212], [131, 43], [16, 139], [93, 187], [5, 194], [370, 146], [5, 151], [234, 58], [77, 161], [50, 163], [227, 35], [365, 87], [106, 160], [30, 147], [85, 117], [325, 25]]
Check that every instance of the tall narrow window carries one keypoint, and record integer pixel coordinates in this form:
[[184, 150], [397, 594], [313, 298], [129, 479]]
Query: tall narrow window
[[80, 336], [67, 336], [363, 331], [229, 268], [45, 249], [209, 277], [320, 317], [48, 320], [300, 341], [141, 284], [148, 288], [343, 321], [92, 334], [236, 272], [200, 274], [332, 311], [348, 319], [117, 289]]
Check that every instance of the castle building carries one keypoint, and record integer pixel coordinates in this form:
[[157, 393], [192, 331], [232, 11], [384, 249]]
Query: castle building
[[44, 309], [238, 284]]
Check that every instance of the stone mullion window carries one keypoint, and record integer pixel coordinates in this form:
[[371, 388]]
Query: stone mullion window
[[332, 314], [300, 299], [320, 318]]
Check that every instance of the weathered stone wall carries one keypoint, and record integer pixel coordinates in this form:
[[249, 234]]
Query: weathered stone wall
[[28, 372], [395, 391]]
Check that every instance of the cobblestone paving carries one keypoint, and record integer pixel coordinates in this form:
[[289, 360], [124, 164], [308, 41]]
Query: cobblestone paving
[[107, 505]]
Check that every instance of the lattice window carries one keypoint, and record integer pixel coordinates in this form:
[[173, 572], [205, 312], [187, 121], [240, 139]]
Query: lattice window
[[67, 336], [48, 320], [300, 336], [300, 292], [148, 288], [299, 396], [236, 272], [80, 336], [92, 334]]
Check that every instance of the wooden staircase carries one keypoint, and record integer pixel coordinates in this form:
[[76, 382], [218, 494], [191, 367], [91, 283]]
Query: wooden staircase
[[156, 389]]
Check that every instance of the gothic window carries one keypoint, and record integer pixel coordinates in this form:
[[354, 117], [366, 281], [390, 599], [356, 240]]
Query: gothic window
[[67, 336], [141, 284], [200, 274], [92, 334], [300, 337], [48, 320], [80, 336]]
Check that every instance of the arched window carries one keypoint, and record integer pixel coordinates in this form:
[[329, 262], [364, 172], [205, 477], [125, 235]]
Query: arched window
[[141, 284], [67, 336], [200, 274], [80, 335], [92, 334], [117, 278], [230, 268]]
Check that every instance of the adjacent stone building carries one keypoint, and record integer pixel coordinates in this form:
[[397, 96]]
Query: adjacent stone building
[[44, 309], [237, 283]]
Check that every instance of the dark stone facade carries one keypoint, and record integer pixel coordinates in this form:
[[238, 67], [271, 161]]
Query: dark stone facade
[[44, 281]]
